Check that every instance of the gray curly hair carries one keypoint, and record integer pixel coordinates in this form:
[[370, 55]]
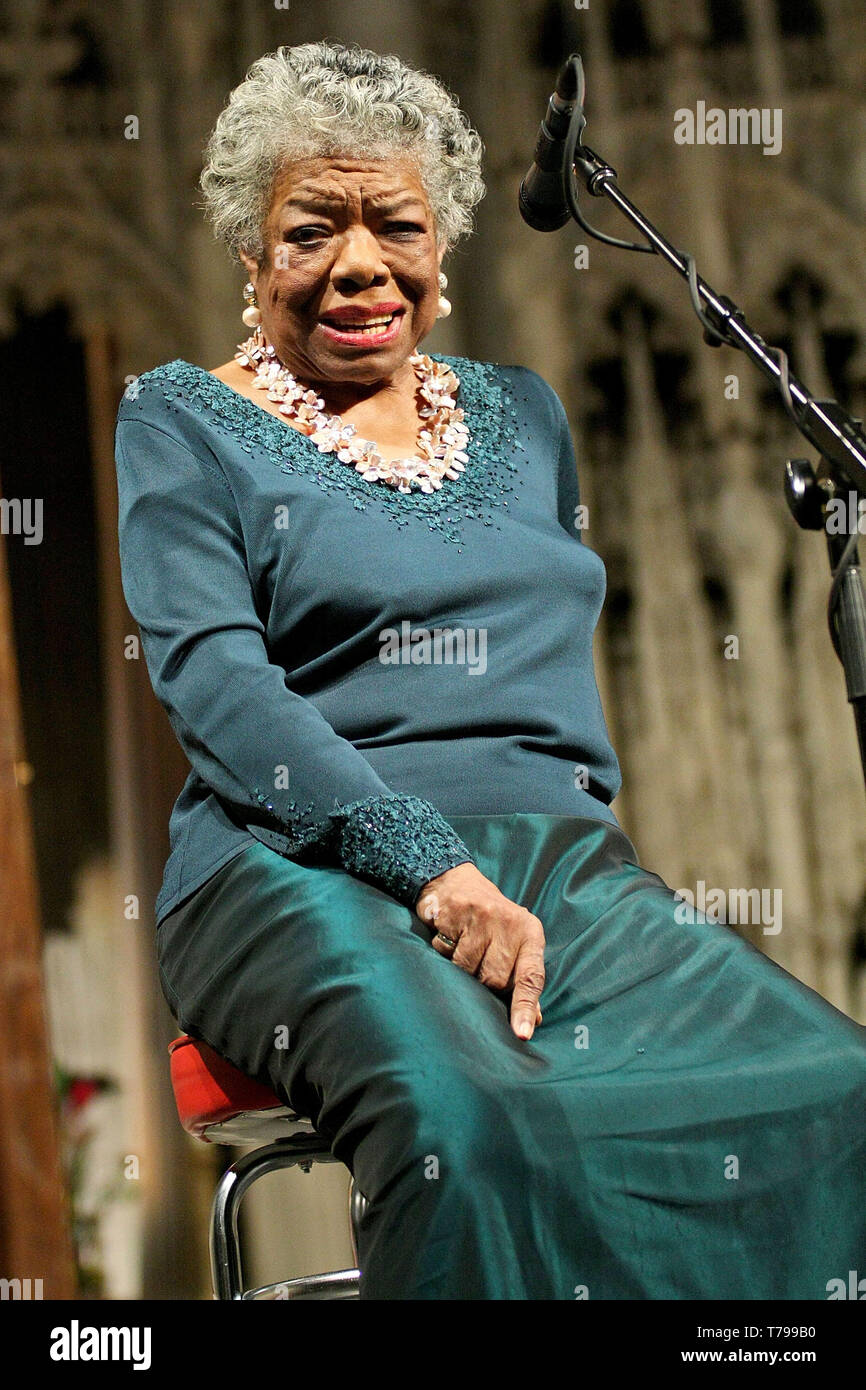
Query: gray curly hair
[[330, 98]]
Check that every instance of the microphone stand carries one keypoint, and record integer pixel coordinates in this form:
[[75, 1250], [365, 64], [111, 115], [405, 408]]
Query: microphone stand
[[825, 424]]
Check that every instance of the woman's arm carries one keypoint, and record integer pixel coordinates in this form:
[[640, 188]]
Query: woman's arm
[[568, 486], [186, 582]]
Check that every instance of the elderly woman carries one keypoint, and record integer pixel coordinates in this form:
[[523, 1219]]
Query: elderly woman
[[366, 609]]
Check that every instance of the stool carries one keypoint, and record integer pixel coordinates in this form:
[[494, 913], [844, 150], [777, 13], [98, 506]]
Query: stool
[[220, 1105]]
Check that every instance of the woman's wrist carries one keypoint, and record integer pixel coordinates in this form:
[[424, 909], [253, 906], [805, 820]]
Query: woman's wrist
[[428, 895], [398, 843]]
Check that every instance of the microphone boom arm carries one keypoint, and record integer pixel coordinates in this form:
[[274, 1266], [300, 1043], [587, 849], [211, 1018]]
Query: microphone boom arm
[[824, 423], [831, 429]]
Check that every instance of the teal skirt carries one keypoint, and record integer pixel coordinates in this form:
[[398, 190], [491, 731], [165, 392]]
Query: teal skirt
[[686, 1123]]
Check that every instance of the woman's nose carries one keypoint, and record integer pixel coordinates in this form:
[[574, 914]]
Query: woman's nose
[[359, 259]]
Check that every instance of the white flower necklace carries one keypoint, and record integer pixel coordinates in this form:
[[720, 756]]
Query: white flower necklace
[[441, 441]]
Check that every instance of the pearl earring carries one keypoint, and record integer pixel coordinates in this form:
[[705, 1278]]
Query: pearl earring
[[252, 315], [444, 304]]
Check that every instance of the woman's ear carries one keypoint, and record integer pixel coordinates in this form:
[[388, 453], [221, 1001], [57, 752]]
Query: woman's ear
[[250, 264]]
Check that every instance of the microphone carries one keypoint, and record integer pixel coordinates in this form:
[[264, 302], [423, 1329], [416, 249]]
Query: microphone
[[542, 198]]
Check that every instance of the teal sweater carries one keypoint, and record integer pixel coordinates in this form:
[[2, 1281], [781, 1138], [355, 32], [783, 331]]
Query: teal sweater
[[344, 665]]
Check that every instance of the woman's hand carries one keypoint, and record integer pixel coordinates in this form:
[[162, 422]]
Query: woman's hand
[[496, 940]]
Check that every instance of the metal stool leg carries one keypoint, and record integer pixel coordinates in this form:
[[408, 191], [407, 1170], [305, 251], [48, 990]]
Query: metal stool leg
[[357, 1207], [224, 1244]]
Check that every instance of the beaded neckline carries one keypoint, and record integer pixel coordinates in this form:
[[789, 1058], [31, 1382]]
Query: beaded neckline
[[481, 489]]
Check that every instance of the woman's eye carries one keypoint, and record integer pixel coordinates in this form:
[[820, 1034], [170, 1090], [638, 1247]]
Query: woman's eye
[[304, 234]]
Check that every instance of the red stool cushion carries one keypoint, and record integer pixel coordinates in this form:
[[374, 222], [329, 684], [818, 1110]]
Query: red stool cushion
[[208, 1090]]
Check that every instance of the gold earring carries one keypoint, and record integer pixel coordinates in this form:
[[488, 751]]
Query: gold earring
[[252, 315]]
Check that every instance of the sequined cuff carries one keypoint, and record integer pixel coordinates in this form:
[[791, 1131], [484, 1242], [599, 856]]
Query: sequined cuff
[[397, 843]]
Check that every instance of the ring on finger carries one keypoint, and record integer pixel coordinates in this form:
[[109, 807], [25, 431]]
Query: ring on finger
[[449, 941]]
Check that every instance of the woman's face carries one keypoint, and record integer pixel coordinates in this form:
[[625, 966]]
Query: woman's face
[[343, 237]]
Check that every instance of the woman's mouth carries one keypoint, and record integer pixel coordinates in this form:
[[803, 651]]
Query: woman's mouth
[[366, 332]]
